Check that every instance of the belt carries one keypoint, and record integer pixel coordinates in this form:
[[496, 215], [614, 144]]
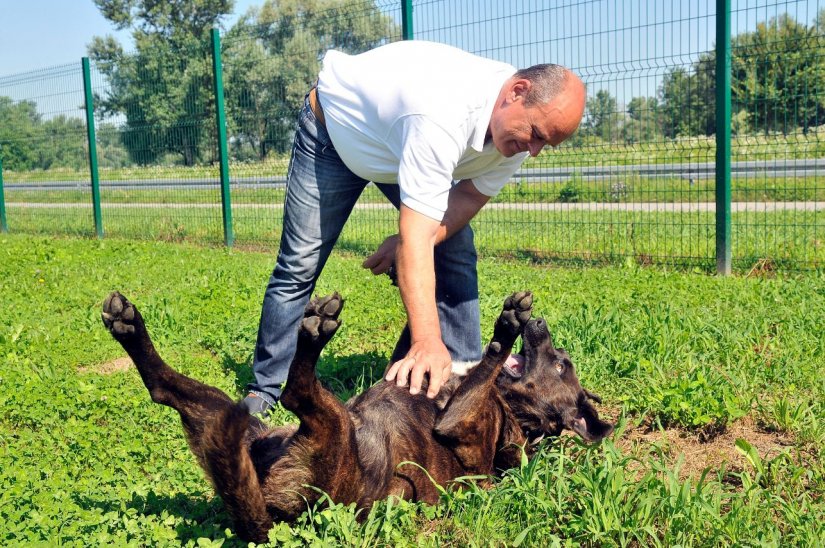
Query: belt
[[315, 106]]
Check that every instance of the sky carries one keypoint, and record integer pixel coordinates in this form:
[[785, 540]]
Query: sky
[[36, 34], [623, 46]]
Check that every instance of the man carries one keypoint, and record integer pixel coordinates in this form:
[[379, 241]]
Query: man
[[413, 117]]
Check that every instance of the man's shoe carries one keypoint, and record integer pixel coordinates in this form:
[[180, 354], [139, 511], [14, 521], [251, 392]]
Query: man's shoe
[[256, 405]]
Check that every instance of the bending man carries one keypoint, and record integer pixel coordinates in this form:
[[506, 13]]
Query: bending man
[[439, 131]]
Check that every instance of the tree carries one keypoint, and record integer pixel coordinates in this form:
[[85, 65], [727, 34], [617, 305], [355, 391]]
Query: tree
[[18, 123], [642, 123], [272, 57], [777, 73], [62, 143], [602, 118], [164, 89]]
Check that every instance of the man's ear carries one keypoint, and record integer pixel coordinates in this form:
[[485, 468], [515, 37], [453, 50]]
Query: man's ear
[[521, 88], [518, 90]]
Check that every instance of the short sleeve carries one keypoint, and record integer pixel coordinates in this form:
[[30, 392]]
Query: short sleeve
[[491, 183], [428, 157]]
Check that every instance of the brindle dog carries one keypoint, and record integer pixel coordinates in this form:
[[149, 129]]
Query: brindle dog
[[362, 451]]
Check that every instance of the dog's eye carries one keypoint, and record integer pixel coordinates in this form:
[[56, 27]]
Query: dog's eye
[[559, 367]]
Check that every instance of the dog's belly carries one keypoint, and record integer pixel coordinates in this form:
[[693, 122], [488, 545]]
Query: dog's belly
[[396, 446]]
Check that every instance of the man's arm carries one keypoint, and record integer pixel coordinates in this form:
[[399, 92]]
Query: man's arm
[[464, 202], [417, 238]]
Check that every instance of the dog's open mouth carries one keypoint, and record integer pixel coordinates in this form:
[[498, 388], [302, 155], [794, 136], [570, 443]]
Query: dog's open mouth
[[514, 365]]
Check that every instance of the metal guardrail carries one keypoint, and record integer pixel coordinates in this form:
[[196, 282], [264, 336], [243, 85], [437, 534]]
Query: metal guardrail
[[689, 171]]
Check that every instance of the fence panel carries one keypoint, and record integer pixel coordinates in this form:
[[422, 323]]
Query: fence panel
[[157, 145], [637, 182], [779, 114], [45, 153]]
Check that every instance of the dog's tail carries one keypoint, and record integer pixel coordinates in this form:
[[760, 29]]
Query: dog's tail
[[233, 474]]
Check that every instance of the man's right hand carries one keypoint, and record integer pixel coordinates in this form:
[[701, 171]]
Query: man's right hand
[[428, 355]]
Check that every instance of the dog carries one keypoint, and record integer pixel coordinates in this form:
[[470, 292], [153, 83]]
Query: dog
[[364, 450]]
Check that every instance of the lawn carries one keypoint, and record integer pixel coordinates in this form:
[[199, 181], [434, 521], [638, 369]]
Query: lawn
[[791, 238], [715, 383]]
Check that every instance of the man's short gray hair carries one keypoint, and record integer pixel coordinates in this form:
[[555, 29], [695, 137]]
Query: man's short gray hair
[[548, 81]]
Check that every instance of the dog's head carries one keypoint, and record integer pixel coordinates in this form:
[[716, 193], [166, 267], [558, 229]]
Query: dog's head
[[541, 387]]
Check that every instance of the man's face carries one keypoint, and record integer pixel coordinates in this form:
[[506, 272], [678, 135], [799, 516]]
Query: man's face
[[516, 128]]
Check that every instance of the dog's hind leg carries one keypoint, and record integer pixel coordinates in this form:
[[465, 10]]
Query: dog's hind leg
[[473, 420], [323, 452], [196, 402]]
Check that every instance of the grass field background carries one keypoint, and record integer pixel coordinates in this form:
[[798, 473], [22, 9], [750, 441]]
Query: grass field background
[[792, 239], [716, 385]]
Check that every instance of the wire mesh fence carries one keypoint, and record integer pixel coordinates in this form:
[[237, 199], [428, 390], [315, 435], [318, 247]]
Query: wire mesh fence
[[637, 182]]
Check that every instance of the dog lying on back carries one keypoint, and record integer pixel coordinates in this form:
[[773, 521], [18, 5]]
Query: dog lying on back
[[360, 451]]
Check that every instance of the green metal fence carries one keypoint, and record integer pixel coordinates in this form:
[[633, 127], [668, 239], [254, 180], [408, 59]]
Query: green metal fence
[[703, 142]]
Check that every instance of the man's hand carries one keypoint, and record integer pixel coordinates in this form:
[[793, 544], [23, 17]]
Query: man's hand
[[381, 261], [429, 355]]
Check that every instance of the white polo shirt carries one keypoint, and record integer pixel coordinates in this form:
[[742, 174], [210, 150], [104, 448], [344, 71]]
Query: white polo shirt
[[416, 113]]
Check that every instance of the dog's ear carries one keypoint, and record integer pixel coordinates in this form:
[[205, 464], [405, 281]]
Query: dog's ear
[[588, 425]]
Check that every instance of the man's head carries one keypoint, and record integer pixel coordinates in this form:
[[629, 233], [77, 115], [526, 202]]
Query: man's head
[[538, 106]]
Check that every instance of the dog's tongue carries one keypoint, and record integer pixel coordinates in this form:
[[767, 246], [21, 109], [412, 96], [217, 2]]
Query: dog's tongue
[[515, 363]]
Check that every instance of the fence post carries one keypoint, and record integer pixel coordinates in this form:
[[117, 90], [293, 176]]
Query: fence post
[[4, 227], [406, 20], [723, 146], [220, 118], [90, 136]]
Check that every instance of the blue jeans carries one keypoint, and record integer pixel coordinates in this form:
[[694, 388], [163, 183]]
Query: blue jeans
[[320, 194]]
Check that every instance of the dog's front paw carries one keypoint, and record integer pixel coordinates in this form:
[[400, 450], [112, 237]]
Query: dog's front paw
[[517, 310], [120, 316], [321, 318]]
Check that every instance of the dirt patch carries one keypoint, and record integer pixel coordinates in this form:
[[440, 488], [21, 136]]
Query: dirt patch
[[699, 455], [115, 366]]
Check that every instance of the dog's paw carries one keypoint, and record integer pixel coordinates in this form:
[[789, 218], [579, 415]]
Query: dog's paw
[[120, 316], [517, 310], [321, 318]]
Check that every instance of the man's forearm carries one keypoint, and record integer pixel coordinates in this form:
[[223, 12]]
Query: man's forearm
[[416, 272], [463, 204]]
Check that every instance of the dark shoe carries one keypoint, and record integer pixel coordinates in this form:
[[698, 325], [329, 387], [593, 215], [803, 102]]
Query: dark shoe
[[256, 405]]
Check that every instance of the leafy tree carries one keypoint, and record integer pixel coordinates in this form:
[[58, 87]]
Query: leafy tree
[[164, 89], [18, 123], [272, 56], [642, 123], [688, 101], [62, 143], [602, 118], [777, 73]]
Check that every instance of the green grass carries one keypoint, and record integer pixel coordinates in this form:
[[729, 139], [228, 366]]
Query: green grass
[[86, 458], [792, 239]]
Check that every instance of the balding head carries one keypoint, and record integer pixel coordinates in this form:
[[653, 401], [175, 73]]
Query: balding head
[[538, 106]]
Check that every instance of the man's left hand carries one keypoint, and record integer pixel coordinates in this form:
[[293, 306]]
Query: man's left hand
[[381, 261]]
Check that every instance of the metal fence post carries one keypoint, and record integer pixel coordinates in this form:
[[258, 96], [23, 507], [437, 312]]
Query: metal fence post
[[723, 146], [90, 135], [4, 227], [220, 118], [406, 20]]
